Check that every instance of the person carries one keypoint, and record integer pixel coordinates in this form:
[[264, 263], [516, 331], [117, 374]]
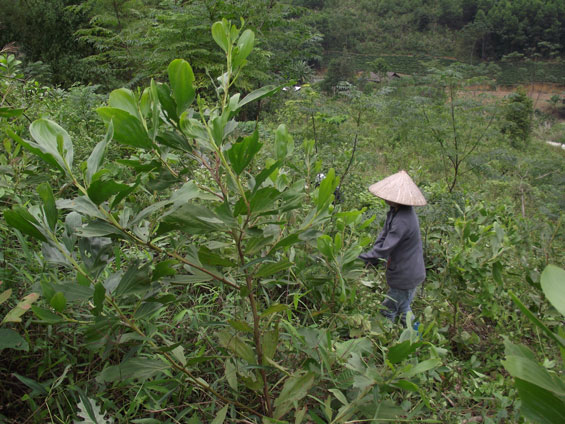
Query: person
[[399, 245]]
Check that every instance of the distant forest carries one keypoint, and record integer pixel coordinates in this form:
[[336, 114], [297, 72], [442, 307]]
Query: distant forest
[[116, 42]]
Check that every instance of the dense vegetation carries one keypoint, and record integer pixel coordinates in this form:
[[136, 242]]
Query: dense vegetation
[[181, 223]]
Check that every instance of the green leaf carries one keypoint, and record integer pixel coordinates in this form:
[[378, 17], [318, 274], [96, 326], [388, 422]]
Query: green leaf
[[273, 309], [553, 286], [20, 219], [240, 326], [125, 100], [54, 140], [10, 112], [194, 219], [264, 174], [266, 91], [37, 388], [244, 47], [49, 208], [243, 152], [167, 102], [96, 158], [272, 268], [37, 150], [181, 78], [208, 257], [284, 144], [295, 388], [324, 244], [135, 369], [401, 351], [46, 316], [21, 308], [270, 341], [134, 279], [164, 268], [98, 298], [219, 34], [421, 367], [221, 416], [237, 346], [539, 405], [58, 302], [100, 191], [326, 190], [128, 129], [9, 339], [530, 371], [497, 272]]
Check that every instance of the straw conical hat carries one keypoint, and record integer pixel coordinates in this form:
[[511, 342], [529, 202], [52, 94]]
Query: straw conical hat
[[399, 188]]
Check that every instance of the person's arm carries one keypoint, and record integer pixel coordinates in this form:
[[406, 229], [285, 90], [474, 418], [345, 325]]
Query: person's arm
[[383, 248]]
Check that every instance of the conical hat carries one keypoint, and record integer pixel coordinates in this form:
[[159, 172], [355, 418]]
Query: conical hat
[[399, 188]]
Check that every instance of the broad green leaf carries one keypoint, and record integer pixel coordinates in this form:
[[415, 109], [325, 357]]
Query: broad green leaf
[[20, 219], [96, 158], [284, 144], [272, 268], [21, 308], [262, 202], [497, 272], [37, 388], [421, 367], [135, 368], [36, 149], [49, 208], [124, 99], [273, 309], [221, 416], [98, 298], [9, 339], [181, 78], [174, 140], [326, 190], [239, 325], [219, 30], [242, 153], [128, 129], [82, 205], [269, 342], [539, 405], [46, 316], [167, 102], [164, 268], [134, 279], [244, 47], [237, 346], [530, 371], [10, 112], [401, 351], [264, 174], [100, 191], [325, 246], [194, 219], [58, 302], [208, 257], [553, 286], [268, 90], [295, 388], [54, 140]]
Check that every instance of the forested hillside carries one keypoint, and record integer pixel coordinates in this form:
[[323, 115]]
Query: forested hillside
[[184, 198]]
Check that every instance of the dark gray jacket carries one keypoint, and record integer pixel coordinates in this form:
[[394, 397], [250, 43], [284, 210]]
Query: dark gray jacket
[[400, 245]]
